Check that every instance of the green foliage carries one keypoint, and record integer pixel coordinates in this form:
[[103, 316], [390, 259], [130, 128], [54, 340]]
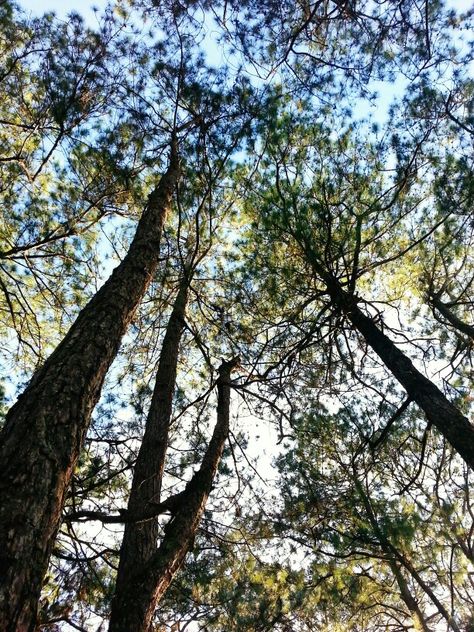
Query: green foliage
[[291, 182]]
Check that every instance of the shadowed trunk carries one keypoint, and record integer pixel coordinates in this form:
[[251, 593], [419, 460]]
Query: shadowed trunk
[[44, 430], [140, 539], [409, 600], [427, 589], [450, 317], [450, 422], [151, 580]]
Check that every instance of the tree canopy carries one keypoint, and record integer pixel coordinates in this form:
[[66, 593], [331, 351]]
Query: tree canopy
[[236, 282]]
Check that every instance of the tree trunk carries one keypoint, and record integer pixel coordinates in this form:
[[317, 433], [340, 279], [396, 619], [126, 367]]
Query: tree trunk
[[45, 429], [450, 422], [140, 539], [419, 622], [151, 580], [405, 592], [427, 589], [451, 317]]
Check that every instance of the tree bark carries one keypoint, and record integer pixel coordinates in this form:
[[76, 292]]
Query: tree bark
[[151, 580], [450, 317], [409, 600], [450, 422], [427, 589], [140, 539], [44, 430]]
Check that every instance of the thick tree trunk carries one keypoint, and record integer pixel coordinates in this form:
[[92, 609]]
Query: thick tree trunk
[[151, 580], [140, 539], [44, 430]]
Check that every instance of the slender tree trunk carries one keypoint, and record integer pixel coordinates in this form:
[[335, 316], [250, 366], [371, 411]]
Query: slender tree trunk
[[450, 422], [451, 317], [151, 580], [427, 589], [409, 600], [45, 429], [140, 539], [405, 592]]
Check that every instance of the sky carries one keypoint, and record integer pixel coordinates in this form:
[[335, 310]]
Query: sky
[[377, 112], [63, 7]]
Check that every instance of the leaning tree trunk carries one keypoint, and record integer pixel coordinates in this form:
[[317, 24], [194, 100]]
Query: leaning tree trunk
[[450, 317], [151, 580], [419, 622], [427, 588], [45, 429], [450, 422], [139, 539]]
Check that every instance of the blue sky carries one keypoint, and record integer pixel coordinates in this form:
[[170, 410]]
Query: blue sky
[[63, 7], [376, 112]]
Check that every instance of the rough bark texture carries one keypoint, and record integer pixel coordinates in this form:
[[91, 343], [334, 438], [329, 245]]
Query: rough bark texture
[[140, 539], [45, 429], [151, 581]]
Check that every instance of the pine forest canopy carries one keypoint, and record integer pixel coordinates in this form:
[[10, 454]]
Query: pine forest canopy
[[236, 282]]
